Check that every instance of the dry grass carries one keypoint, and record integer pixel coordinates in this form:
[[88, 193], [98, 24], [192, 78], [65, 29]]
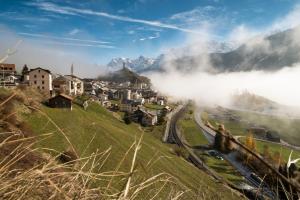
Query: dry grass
[[26, 173]]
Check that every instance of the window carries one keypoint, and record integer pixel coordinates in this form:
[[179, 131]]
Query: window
[[43, 82], [35, 82], [43, 87], [39, 71], [43, 76], [38, 87], [34, 76]]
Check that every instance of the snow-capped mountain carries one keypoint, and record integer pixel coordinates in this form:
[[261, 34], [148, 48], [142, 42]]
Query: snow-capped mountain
[[138, 65], [144, 64]]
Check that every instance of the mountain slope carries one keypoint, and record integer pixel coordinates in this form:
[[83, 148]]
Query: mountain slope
[[124, 75], [271, 53], [96, 129], [260, 53]]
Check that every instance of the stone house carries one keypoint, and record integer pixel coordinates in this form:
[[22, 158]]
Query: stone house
[[41, 79]]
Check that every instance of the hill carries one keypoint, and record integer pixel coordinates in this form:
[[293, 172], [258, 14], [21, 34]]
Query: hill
[[261, 53], [124, 75], [249, 101], [96, 132], [269, 53]]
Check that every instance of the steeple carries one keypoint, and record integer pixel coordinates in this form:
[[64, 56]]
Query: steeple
[[72, 70]]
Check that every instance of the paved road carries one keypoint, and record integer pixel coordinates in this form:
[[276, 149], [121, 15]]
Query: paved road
[[231, 157]]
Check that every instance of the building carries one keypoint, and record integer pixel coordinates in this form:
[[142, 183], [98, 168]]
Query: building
[[7, 74], [144, 117], [103, 97], [126, 106], [77, 87], [273, 136], [113, 94], [149, 119], [61, 101], [7, 69], [70, 85], [41, 79], [129, 105]]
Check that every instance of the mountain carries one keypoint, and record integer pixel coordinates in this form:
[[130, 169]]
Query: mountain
[[138, 65], [124, 75], [269, 53], [260, 53], [145, 64]]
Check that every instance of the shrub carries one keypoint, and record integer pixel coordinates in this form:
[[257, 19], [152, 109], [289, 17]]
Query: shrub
[[127, 119]]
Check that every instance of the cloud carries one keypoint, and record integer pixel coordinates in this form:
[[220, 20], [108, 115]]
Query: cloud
[[183, 82], [51, 7], [210, 89], [56, 56], [35, 35], [74, 31], [157, 35]]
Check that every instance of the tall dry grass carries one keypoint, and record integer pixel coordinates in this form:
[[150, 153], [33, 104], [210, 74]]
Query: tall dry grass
[[28, 172]]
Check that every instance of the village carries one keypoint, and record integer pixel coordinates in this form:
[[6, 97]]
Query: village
[[136, 100]]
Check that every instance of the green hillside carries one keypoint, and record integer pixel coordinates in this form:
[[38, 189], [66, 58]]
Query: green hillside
[[124, 75], [98, 129]]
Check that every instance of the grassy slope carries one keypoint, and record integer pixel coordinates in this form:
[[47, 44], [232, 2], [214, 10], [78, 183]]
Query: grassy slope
[[194, 137], [274, 122], [287, 128], [81, 126]]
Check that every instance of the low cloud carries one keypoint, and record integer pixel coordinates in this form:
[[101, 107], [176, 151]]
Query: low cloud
[[214, 88], [49, 54]]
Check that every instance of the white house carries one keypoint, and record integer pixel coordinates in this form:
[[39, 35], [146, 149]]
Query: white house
[[41, 79], [70, 85]]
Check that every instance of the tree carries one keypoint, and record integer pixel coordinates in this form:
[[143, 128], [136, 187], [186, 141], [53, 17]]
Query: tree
[[25, 70], [250, 142], [266, 152], [277, 158], [126, 118]]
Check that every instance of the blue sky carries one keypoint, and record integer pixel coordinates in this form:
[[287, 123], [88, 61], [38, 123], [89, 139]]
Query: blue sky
[[103, 29]]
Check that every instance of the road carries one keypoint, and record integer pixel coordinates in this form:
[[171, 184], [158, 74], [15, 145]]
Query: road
[[231, 157], [176, 137]]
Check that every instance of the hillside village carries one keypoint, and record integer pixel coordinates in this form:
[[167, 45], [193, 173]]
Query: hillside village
[[134, 97]]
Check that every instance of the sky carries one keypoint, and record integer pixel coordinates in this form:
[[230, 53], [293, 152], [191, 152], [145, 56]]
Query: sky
[[95, 31]]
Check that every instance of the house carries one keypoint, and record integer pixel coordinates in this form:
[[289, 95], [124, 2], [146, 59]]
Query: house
[[113, 94], [7, 74], [106, 104], [273, 136], [149, 119], [61, 101], [129, 105], [259, 132], [125, 94], [88, 88], [126, 106], [77, 87], [144, 117], [70, 85], [161, 102], [41, 79], [103, 97], [7, 69], [166, 109]]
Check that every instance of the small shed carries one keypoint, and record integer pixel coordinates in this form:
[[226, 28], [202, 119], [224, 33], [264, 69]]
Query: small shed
[[61, 101]]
